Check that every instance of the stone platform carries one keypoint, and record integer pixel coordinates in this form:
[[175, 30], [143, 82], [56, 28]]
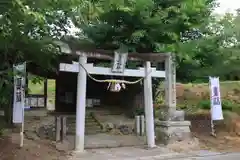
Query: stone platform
[[102, 140], [172, 131], [126, 153], [119, 122], [159, 153]]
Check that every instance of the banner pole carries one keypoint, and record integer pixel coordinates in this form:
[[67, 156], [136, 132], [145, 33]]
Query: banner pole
[[213, 133], [22, 126], [23, 102], [19, 97]]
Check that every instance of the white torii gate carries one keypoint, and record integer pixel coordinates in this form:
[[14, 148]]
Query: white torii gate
[[147, 72]]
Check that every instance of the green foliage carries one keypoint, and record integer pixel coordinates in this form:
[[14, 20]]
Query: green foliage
[[216, 53], [159, 94], [204, 45], [226, 105], [27, 30], [142, 25], [204, 104]]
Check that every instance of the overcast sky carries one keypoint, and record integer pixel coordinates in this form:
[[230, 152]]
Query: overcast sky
[[228, 5]]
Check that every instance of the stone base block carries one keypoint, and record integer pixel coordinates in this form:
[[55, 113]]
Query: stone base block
[[172, 131]]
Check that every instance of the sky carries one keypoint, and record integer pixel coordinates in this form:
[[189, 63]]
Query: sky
[[227, 6]]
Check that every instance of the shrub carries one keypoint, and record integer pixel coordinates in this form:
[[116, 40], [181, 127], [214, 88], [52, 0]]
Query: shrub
[[182, 106], [204, 104], [226, 105]]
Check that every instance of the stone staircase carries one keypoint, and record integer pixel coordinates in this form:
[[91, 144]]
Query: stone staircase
[[91, 125]]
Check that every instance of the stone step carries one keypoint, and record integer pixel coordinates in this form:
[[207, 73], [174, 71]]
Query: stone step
[[87, 131], [92, 122], [91, 125], [87, 127], [86, 124], [86, 120]]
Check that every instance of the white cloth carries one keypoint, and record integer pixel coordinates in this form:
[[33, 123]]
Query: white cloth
[[216, 105]]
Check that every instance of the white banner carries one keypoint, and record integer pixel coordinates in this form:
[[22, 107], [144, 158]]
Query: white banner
[[216, 105], [19, 92]]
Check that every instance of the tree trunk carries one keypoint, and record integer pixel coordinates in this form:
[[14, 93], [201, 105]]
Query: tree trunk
[[8, 109]]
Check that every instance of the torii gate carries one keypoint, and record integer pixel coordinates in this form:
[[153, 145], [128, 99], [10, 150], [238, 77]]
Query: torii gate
[[147, 72]]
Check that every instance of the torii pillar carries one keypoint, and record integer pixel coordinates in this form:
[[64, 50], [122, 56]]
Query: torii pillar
[[148, 106], [81, 104], [81, 101]]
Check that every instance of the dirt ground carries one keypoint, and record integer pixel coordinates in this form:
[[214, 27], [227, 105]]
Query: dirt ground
[[224, 142], [32, 150], [39, 149], [44, 150]]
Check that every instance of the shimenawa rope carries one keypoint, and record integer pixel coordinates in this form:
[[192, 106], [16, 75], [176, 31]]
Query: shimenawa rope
[[113, 80]]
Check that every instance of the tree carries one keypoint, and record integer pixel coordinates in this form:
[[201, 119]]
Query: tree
[[142, 25], [27, 30], [215, 53]]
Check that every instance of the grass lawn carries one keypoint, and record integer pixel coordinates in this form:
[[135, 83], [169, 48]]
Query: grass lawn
[[39, 89], [225, 86]]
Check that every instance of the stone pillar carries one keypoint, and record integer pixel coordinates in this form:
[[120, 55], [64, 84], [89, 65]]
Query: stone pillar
[[171, 125], [81, 104], [170, 86], [64, 128], [148, 103], [58, 128]]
